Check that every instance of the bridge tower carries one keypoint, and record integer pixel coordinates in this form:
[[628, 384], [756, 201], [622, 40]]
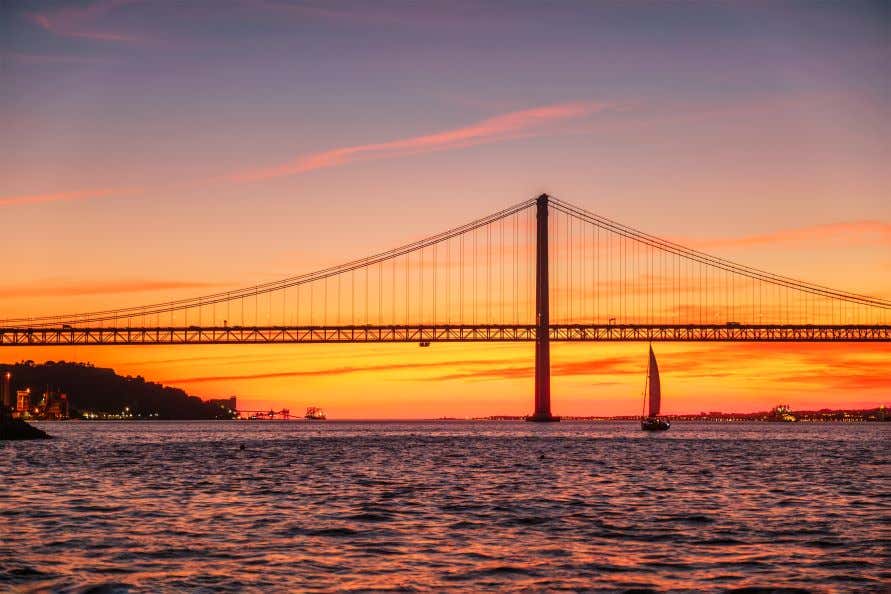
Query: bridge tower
[[542, 319]]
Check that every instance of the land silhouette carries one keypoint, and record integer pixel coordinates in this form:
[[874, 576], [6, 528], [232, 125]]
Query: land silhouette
[[99, 390]]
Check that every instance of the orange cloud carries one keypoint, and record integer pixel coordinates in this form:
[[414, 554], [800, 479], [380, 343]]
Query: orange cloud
[[822, 365], [99, 288], [329, 372], [870, 379], [58, 196], [832, 365], [862, 231], [603, 366], [495, 129]]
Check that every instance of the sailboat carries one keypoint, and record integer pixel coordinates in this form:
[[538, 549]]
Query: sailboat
[[653, 390]]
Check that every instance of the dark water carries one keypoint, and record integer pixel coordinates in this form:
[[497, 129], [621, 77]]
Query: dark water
[[447, 505]]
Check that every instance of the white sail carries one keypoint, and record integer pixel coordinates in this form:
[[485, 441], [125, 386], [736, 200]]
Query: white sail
[[655, 385]]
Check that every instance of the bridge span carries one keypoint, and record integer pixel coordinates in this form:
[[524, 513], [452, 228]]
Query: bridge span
[[539, 271], [424, 335]]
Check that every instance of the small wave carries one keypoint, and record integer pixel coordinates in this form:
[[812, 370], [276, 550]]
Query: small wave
[[823, 543], [607, 568], [553, 552], [177, 553], [370, 517], [25, 572], [477, 555], [398, 492], [527, 521], [843, 564], [767, 590], [463, 525], [382, 550], [108, 588], [687, 519], [720, 542], [499, 570], [332, 532]]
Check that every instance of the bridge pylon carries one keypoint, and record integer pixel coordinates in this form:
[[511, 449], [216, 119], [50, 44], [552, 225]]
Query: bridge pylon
[[542, 319]]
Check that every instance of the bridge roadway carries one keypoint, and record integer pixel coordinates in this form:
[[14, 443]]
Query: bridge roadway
[[72, 336]]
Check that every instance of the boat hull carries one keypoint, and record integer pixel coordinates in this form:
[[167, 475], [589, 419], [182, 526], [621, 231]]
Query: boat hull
[[653, 424]]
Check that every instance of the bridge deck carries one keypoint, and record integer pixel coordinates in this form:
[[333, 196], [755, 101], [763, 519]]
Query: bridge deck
[[70, 336]]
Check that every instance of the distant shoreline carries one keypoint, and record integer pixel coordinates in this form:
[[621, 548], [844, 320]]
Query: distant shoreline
[[623, 419]]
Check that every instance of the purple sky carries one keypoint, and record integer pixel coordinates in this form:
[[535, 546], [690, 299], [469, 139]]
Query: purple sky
[[220, 136], [160, 150]]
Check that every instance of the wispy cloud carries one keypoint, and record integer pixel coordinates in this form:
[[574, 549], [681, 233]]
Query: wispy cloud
[[80, 21], [598, 367], [54, 59], [71, 289], [336, 371], [831, 366], [459, 370], [524, 123], [61, 196], [854, 231], [304, 9], [379, 13], [868, 379], [820, 366]]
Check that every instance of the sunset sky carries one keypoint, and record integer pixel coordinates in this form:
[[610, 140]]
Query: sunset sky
[[155, 151]]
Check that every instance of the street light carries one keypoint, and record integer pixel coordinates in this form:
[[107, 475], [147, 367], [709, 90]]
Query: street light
[[6, 394]]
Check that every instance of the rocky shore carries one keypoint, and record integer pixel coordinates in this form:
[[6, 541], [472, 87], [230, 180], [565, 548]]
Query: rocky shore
[[14, 429]]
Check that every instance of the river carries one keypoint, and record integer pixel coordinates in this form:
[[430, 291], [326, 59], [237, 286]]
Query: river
[[446, 505]]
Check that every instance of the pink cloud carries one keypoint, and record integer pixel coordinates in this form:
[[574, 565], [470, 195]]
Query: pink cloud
[[304, 10], [56, 59], [861, 231], [422, 14], [516, 124], [100, 288], [80, 21], [59, 196]]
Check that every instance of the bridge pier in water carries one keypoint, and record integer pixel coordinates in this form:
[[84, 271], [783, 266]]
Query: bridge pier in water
[[542, 319]]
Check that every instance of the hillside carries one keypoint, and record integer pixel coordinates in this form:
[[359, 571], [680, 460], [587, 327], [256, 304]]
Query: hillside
[[101, 390]]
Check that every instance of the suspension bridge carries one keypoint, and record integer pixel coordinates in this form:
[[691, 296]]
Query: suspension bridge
[[542, 270]]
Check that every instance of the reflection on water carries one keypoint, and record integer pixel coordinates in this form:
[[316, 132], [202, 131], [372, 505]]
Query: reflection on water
[[446, 505]]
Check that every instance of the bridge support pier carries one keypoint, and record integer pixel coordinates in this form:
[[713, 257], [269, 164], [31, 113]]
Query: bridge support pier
[[542, 319]]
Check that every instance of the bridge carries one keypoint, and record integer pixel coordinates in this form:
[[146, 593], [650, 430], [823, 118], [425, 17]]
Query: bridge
[[539, 271]]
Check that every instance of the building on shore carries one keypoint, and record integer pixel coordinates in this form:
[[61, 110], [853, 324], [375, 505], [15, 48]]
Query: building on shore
[[54, 406], [227, 405], [23, 402], [782, 413]]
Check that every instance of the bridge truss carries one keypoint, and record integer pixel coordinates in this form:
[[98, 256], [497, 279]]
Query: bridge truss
[[55, 336]]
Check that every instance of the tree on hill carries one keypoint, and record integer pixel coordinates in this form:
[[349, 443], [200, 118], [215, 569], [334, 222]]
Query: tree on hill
[[101, 390]]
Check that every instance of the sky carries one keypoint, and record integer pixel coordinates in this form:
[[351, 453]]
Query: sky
[[154, 151]]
